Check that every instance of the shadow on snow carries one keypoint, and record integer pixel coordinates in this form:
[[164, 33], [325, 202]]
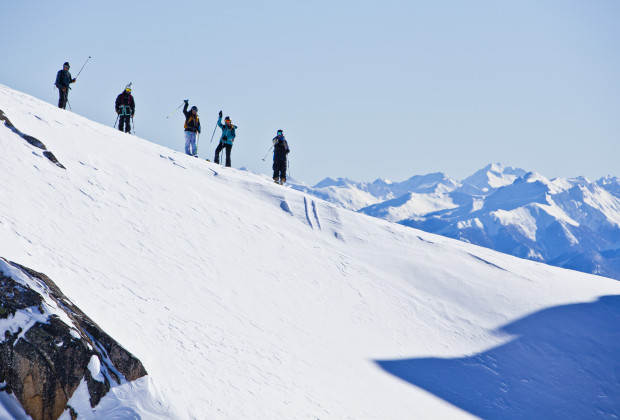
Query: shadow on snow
[[563, 363]]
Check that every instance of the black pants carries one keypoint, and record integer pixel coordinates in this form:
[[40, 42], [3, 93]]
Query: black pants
[[279, 168], [125, 121], [63, 97], [219, 149]]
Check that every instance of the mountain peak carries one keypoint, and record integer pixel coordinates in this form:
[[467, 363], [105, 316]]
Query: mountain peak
[[331, 182], [491, 177]]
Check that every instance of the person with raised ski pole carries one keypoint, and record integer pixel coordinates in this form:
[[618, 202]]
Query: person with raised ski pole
[[280, 151], [229, 132], [192, 127], [125, 108], [63, 80]]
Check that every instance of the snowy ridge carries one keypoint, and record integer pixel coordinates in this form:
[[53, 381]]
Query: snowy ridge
[[245, 299], [569, 222]]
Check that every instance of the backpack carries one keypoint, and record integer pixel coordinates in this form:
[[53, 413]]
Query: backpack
[[188, 122]]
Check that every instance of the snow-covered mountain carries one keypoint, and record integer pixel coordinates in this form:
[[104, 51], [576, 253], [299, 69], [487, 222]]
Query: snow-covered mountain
[[568, 222], [246, 299], [489, 179], [356, 195]]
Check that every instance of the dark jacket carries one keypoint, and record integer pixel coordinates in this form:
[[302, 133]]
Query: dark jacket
[[280, 148], [125, 105], [192, 122], [63, 79]]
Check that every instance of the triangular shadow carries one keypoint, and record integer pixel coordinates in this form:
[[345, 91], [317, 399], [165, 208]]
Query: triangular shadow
[[564, 363]]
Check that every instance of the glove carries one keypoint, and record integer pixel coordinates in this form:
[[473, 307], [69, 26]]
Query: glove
[[73, 81], [186, 101], [220, 114]]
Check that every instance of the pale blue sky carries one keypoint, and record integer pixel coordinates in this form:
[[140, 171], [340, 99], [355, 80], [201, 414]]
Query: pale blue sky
[[361, 89]]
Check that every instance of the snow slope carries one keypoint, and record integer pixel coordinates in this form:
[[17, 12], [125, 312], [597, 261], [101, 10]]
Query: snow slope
[[245, 299], [568, 222]]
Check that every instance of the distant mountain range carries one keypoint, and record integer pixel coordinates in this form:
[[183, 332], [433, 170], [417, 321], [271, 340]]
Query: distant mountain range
[[567, 222]]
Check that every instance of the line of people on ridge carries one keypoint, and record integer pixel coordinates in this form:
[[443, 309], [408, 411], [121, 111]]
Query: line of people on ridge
[[125, 104], [125, 107]]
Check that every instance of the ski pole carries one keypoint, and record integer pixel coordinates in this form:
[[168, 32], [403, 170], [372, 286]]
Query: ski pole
[[82, 67], [176, 109], [267, 153], [68, 103], [117, 115], [214, 128]]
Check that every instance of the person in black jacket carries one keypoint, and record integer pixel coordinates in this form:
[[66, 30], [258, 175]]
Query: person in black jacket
[[192, 126], [280, 150], [125, 108], [63, 80]]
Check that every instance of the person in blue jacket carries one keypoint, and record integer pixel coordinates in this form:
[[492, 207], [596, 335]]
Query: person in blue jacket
[[229, 132]]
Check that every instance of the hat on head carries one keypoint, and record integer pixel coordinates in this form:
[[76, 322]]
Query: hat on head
[[128, 87], [195, 108], [227, 118], [66, 64]]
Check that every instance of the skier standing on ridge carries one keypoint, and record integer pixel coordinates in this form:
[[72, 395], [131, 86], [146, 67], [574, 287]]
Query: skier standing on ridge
[[125, 108], [192, 126], [226, 141], [63, 80], [280, 150]]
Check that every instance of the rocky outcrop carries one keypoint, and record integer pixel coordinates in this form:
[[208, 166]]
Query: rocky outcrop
[[48, 346], [31, 140]]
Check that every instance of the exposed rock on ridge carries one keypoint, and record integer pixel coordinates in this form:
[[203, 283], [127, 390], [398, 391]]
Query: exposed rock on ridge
[[48, 346], [31, 140]]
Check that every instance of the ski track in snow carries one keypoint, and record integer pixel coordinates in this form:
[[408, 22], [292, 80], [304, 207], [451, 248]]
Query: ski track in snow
[[316, 214], [239, 310], [307, 213]]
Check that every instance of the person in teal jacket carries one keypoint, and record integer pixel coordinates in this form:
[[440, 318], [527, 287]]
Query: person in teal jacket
[[229, 132]]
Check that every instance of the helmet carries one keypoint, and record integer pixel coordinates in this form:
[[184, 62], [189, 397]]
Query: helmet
[[280, 132], [227, 119], [66, 64], [194, 108]]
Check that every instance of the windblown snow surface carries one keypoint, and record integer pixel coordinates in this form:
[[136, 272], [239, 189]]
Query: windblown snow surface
[[249, 300]]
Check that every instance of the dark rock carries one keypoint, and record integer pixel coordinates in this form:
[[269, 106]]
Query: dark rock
[[52, 158], [44, 365], [31, 140]]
